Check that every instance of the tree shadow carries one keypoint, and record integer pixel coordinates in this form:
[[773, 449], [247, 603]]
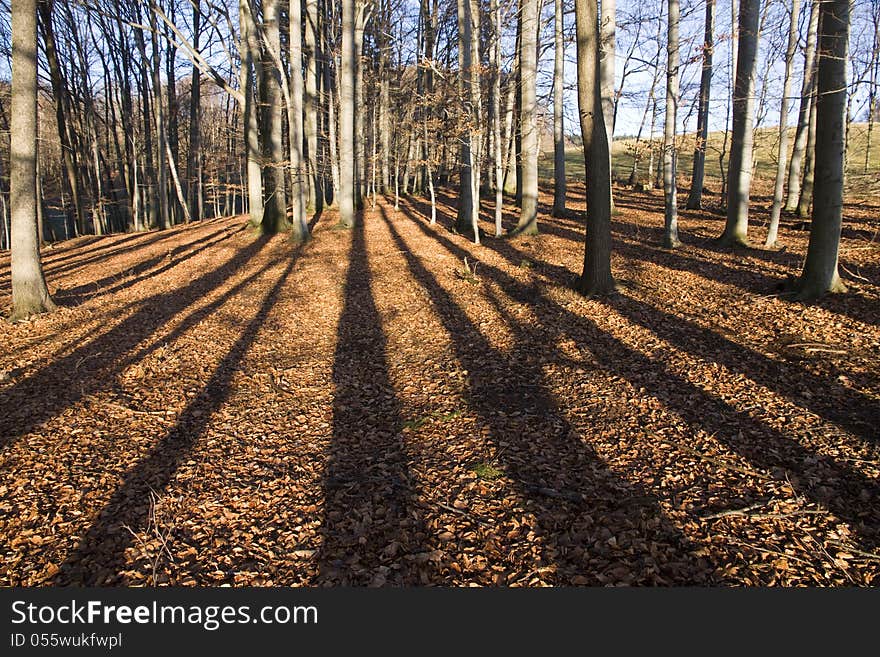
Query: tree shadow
[[100, 556], [372, 528], [29, 402], [146, 269], [850, 409], [824, 480], [628, 243], [77, 260], [579, 503]]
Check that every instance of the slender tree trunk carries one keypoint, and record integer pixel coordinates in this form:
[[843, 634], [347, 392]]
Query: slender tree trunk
[[695, 197], [275, 203], [607, 54], [495, 9], [670, 185], [476, 116], [782, 153], [806, 197], [559, 188], [311, 102], [194, 154], [801, 135], [59, 93], [528, 65], [161, 127], [299, 228], [29, 292], [249, 58], [739, 174], [346, 117], [820, 267], [465, 176], [596, 278]]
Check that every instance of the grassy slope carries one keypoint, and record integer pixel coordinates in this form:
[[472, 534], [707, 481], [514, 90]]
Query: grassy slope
[[859, 185]]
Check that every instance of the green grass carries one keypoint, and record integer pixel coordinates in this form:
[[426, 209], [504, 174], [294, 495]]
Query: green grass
[[487, 471], [766, 146]]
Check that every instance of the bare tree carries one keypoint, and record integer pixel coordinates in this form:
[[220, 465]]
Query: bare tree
[[29, 292], [820, 273], [795, 165], [347, 74], [670, 185], [596, 278], [559, 187], [739, 174], [695, 197], [528, 64], [782, 153]]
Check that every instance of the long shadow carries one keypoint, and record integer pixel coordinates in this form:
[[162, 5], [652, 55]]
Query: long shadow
[[848, 408], [368, 490], [60, 384], [855, 306], [825, 480], [55, 268], [577, 500], [100, 556], [143, 270]]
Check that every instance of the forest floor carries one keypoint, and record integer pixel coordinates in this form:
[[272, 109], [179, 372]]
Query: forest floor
[[213, 407]]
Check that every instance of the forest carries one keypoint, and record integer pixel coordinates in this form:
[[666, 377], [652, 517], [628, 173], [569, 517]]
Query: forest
[[502, 293]]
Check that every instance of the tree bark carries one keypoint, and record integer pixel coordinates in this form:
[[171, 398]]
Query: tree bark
[[29, 292], [695, 197], [312, 101], [465, 177], [275, 199], [495, 9], [607, 54], [795, 165], [249, 58], [194, 153], [820, 273], [346, 117], [596, 278], [670, 184], [559, 187], [739, 174], [299, 227], [528, 58], [782, 153]]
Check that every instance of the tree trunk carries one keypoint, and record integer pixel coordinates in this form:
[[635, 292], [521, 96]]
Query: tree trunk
[[311, 101], [194, 154], [465, 182], [782, 153], [801, 134], [495, 9], [249, 57], [161, 128], [59, 93], [607, 54], [803, 206], [695, 197], [596, 278], [670, 184], [346, 117], [559, 188], [739, 174], [275, 199], [528, 66], [820, 267], [29, 292], [299, 228]]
